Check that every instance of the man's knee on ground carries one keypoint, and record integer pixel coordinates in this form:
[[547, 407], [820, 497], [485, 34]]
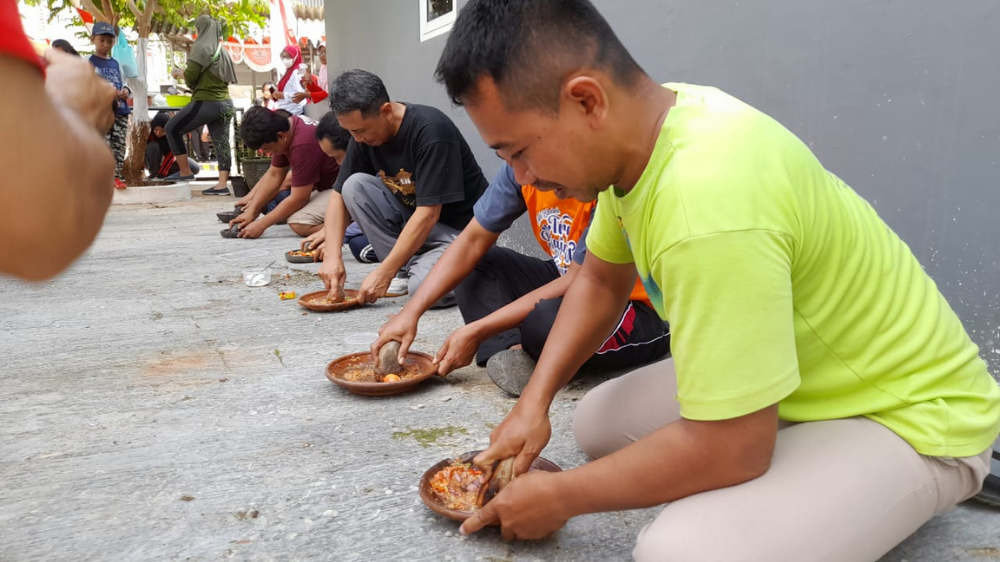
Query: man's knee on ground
[[538, 324], [678, 539], [474, 284], [303, 229], [593, 428], [354, 185]]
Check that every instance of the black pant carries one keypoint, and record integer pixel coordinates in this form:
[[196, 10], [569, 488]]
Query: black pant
[[154, 161], [503, 276]]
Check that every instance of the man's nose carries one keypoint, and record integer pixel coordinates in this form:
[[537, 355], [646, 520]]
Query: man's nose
[[522, 174]]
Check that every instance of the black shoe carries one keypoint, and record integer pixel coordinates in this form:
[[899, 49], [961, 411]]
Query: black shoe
[[215, 191]]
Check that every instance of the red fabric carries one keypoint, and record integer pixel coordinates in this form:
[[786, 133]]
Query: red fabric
[[13, 41], [316, 94], [296, 61]]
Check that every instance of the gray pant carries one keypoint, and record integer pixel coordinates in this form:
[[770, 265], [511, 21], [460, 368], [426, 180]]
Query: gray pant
[[382, 217]]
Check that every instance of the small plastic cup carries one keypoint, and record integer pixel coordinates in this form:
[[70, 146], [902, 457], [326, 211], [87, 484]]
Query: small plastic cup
[[257, 277]]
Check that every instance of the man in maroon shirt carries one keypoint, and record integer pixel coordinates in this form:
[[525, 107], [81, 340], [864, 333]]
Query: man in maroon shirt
[[292, 142]]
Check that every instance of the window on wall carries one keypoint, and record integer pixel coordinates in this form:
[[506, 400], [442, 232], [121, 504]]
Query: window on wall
[[436, 17]]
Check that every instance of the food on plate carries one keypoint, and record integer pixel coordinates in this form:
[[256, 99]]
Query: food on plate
[[302, 253], [362, 370], [457, 485], [319, 299]]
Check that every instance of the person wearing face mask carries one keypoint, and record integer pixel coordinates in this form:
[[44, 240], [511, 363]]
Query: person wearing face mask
[[291, 83]]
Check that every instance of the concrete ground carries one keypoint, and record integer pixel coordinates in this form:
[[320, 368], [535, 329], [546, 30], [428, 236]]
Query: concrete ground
[[153, 407]]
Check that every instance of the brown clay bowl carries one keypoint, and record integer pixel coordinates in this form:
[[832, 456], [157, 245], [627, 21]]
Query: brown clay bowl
[[309, 300], [227, 216], [420, 366], [431, 500]]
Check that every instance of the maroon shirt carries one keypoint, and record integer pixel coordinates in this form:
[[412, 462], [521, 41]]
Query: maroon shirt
[[310, 165]]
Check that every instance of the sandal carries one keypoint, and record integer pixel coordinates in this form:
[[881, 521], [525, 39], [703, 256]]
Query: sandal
[[215, 191], [990, 494]]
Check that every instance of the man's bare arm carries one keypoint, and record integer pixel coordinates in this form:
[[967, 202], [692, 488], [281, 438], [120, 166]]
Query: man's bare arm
[[58, 170]]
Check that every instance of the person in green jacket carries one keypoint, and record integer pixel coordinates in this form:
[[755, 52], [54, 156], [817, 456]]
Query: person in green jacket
[[209, 72]]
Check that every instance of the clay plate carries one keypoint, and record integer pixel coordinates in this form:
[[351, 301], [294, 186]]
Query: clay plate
[[415, 361], [227, 216], [306, 301], [427, 494], [298, 259]]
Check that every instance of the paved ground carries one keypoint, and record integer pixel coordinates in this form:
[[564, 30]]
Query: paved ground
[[152, 407]]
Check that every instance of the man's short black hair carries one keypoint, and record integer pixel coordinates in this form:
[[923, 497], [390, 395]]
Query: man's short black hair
[[329, 128], [358, 90], [261, 126], [528, 47]]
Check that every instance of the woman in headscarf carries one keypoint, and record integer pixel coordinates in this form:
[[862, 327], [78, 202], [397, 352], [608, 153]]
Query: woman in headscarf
[[209, 73], [291, 82]]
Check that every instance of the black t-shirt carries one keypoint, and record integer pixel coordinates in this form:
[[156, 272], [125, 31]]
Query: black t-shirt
[[427, 163]]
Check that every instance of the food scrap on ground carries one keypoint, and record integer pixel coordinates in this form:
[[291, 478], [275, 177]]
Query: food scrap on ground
[[287, 295]]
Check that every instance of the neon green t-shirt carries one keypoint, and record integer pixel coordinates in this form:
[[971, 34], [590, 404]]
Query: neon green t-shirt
[[782, 285]]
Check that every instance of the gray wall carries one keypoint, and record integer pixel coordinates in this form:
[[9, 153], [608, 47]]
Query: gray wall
[[896, 97]]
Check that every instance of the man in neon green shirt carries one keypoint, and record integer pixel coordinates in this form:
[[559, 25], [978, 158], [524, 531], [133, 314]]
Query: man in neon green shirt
[[823, 400]]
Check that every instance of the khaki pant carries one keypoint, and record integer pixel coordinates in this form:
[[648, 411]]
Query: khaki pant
[[837, 491], [314, 212]]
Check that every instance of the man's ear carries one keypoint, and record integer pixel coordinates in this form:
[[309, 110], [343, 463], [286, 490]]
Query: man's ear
[[587, 96], [386, 110]]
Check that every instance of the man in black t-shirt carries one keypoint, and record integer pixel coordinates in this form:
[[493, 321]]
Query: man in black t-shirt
[[409, 180]]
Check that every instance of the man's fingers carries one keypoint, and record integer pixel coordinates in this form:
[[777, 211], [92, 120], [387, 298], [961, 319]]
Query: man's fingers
[[486, 515], [404, 348], [489, 456]]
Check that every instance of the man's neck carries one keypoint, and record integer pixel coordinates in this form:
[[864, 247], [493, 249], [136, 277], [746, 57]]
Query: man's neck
[[642, 118], [398, 112]]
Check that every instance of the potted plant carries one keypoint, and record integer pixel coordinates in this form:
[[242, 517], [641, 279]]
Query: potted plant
[[252, 164]]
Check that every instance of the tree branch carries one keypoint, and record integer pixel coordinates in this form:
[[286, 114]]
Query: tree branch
[[98, 13], [134, 9], [109, 11], [147, 13], [146, 19]]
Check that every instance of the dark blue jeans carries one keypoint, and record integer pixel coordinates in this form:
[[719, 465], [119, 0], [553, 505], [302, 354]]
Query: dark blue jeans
[[277, 199]]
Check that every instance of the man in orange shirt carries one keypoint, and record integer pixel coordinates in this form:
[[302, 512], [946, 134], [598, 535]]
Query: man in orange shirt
[[509, 301]]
